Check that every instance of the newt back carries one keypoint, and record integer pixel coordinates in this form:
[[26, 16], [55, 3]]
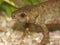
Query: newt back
[[50, 11]]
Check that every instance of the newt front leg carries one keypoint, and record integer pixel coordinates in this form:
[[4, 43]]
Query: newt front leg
[[45, 32]]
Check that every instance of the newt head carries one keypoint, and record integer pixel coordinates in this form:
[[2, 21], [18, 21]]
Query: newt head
[[25, 14]]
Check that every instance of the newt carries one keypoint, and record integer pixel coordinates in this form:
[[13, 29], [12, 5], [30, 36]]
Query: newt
[[44, 13]]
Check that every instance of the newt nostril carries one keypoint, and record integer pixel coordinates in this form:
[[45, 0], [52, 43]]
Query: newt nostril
[[13, 16]]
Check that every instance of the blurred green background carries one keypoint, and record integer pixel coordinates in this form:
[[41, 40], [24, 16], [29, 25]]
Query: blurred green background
[[8, 6]]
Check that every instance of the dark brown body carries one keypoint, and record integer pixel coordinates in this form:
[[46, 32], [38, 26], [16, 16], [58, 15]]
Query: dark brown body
[[45, 13], [49, 11]]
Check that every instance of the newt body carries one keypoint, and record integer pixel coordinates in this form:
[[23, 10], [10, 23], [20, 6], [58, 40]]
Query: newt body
[[39, 14], [49, 11]]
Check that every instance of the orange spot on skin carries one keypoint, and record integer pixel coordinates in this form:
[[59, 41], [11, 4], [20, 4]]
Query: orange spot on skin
[[27, 19], [54, 22]]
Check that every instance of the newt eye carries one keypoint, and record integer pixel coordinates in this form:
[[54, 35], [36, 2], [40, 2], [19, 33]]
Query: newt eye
[[22, 15]]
